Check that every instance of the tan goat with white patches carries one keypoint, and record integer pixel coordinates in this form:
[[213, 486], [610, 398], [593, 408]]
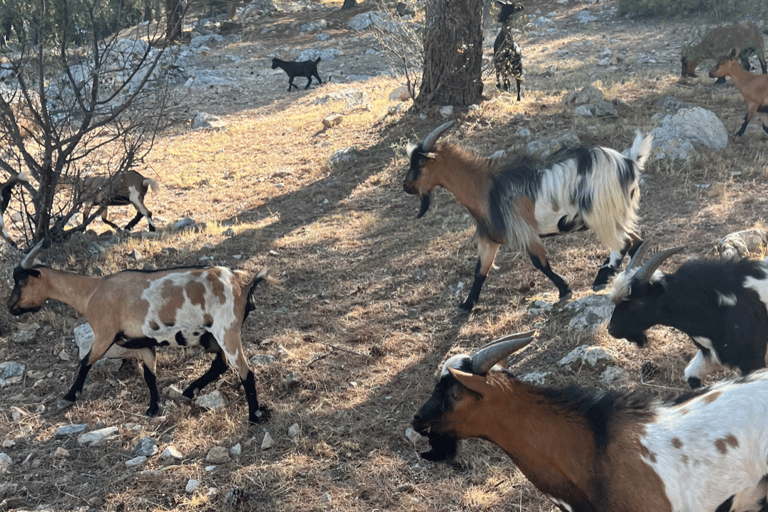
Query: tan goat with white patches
[[142, 310]]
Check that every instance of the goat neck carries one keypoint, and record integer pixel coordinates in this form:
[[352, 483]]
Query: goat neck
[[72, 289], [467, 176]]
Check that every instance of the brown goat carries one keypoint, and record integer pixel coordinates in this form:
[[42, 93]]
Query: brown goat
[[120, 189], [718, 42], [754, 88], [141, 310], [592, 452]]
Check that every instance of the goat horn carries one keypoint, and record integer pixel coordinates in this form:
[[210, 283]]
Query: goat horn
[[637, 256], [490, 354], [429, 141], [645, 272], [29, 259]]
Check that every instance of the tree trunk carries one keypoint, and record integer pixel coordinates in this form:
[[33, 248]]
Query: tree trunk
[[349, 4], [453, 53], [174, 12]]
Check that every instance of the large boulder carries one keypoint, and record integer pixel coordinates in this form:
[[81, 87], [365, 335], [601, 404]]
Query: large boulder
[[675, 137]]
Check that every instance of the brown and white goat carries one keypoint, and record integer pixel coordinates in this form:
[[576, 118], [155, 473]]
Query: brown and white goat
[[754, 88], [588, 452], [142, 310], [719, 41], [120, 189], [517, 204]]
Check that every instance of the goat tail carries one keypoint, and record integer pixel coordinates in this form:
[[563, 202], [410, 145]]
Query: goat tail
[[318, 60], [641, 149], [153, 184]]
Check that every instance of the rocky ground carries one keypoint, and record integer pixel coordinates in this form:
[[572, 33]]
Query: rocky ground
[[346, 350]]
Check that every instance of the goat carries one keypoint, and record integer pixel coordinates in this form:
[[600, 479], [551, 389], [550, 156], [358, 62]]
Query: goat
[[721, 305], [305, 68], [5, 198], [581, 188], [141, 310], [507, 57], [754, 88], [706, 451], [718, 41], [120, 189]]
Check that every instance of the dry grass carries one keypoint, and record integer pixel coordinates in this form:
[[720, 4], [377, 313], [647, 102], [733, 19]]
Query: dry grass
[[366, 311]]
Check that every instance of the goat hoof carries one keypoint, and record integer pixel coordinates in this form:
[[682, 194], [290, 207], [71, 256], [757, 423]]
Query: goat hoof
[[464, 309], [61, 405], [262, 416], [564, 298]]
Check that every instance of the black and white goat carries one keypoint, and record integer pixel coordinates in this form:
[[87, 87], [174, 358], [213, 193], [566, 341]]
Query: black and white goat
[[578, 189], [721, 305], [120, 189], [507, 57], [142, 310], [588, 452], [5, 198]]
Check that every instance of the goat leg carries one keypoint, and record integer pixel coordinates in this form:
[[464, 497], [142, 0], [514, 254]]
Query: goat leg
[[135, 221], [218, 366], [539, 260], [77, 387], [154, 395]]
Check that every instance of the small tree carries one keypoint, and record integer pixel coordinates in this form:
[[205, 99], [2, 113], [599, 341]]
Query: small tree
[[453, 53], [68, 110]]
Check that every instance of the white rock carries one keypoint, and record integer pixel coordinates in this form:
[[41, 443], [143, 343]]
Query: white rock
[[294, 430], [191, 486], [236, 450], [446, 111], [213, 400], [97, 437], [412, 435], [171, 452], [136, 461], [585, 354], [5, 462], [217, 455], [538, 378], [268, 442]]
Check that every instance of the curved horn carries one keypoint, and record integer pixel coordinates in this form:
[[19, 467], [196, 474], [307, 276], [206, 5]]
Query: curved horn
[[484, 358], [645, 272], [637, 256], [29, 259], [429, 141]]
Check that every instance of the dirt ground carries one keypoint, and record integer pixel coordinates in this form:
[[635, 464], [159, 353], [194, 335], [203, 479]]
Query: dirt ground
[[365, 313]]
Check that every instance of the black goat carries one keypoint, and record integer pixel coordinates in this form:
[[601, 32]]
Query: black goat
[[507, 57], [306, 68], [721, 305]]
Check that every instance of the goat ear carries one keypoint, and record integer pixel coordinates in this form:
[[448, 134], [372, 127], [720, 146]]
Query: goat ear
[[410, 148], [734, 53], [476, 383]]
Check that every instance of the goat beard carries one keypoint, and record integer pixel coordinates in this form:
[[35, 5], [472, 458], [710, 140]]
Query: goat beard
[[424, 206], [443, 448]]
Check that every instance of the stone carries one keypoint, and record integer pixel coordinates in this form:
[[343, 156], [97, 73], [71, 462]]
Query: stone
[[736, 246], [333, 120], [204, 120], [589, 312], [675, 137], [236, 450], [400, 94], [213, 400], [217, 455], [192, 484], [171, 453], [446, 112], [61, 453], [261, 359], [68, 430], [412, 435], [588, 94], [542, 148], [146, 447], [186, 222], [341, 156], [84, 339], [615, 376], [538, 378], [11, 372], [294, 430], [97, 437], [26, 333], [593, 356], [136, 461], [267, 442], [5, 463]]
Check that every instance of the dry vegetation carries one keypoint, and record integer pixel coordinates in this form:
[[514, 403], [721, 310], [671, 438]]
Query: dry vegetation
[[366, 312]]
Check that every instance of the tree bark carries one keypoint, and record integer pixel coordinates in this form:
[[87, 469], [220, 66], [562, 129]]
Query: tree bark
[[174, 12], [349, 4], [453, 53]]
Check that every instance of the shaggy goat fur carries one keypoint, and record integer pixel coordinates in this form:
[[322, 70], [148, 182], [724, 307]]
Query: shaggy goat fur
[[591, 452], [595, 188], [754, 88], [306, 68]]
